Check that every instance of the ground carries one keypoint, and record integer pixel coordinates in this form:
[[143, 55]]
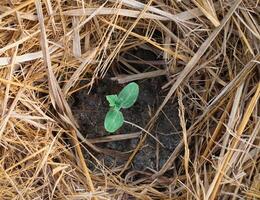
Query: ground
[[90, 109]]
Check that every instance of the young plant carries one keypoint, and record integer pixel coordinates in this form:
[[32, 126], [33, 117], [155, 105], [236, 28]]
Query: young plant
[[125, 99]]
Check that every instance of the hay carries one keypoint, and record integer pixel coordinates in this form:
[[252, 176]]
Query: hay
[[211, 57]]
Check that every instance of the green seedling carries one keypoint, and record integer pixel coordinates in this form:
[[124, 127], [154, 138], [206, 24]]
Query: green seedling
[[125, 99]]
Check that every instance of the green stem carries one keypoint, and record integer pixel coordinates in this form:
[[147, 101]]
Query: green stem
[[142, 129]]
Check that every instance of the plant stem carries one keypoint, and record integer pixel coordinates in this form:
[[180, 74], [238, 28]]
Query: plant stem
[[142, 129]]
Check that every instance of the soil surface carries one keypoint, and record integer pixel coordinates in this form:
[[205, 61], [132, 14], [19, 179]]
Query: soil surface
[[90, 110]]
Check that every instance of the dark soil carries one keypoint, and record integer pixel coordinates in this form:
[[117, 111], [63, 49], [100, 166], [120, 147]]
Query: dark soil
[[90, 110]]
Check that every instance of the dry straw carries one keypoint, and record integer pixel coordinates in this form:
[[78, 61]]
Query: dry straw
[[210, 54]]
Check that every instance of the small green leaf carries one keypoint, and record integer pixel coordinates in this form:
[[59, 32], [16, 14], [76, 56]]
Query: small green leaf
[[113, 100], [128, 95], [113, 121]]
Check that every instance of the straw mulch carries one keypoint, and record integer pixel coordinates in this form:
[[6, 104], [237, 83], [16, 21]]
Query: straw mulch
[[212, 54]]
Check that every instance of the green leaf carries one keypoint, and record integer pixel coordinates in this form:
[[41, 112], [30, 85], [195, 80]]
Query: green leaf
[[128, 95], [113, 121], [113, 100]]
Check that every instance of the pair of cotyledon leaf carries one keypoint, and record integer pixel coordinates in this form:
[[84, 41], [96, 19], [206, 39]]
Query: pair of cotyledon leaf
[[125, 99]]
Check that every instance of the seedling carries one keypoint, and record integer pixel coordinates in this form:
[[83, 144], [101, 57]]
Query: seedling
[[125, 99]]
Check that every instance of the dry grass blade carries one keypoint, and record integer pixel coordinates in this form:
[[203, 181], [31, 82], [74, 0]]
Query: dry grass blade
[[112, 11], [140, 76], [208, 9], [112, 138], [185, 139], [24, 58]]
